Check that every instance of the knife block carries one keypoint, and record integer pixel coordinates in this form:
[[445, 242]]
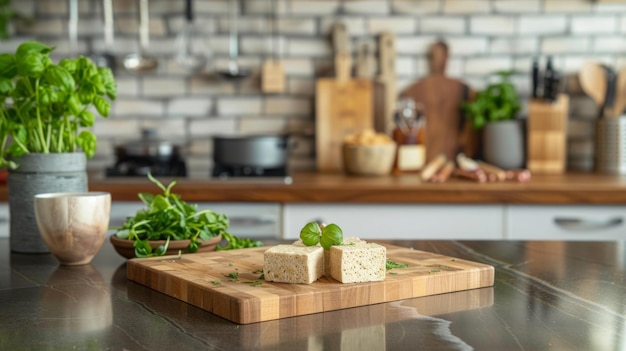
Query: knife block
[[547, 135]]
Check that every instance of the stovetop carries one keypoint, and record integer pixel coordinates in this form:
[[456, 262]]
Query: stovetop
[[251, 174]]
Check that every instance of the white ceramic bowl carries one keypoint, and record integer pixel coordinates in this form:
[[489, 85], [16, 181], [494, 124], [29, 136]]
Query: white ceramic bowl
[[73, 225]]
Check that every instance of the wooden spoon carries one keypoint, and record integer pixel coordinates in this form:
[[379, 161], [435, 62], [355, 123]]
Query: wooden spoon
[[593, 81]]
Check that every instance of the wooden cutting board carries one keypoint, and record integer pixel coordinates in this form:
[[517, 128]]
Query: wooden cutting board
[[193, 278], [343, 107]]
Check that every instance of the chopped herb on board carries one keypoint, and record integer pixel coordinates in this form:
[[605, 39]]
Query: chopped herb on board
[[217, 282], [234, 276], [255, 283], [433, 271], [257, 271], [392, 264]]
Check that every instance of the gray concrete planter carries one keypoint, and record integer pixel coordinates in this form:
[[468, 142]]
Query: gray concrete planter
[[38, 174], [503, 144]]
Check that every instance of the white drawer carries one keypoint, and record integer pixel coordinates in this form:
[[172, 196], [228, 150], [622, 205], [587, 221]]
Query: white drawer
[[383, 221], [566, 222]]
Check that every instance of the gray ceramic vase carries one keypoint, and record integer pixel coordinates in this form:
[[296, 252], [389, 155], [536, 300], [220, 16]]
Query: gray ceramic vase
[[38, 174], [503, 144]]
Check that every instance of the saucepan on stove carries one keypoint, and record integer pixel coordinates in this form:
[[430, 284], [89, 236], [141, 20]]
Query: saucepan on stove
[[264, 151], [149, 154]]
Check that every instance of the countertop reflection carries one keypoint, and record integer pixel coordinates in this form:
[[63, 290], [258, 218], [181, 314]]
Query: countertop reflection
[[547, 296]]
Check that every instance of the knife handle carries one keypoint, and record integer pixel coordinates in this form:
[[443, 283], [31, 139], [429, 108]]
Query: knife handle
[[535, 79]]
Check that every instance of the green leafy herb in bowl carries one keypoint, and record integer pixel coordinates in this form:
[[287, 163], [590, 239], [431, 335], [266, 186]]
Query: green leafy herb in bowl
[[167, 220]]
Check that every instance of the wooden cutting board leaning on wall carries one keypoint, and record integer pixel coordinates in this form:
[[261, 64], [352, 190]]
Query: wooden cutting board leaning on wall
[[343, 106], [447, 131]]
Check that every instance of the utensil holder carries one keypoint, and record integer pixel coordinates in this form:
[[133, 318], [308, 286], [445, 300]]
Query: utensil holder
[[547, 135], [610, 148]]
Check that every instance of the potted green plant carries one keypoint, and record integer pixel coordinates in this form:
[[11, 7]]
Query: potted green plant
[[46, 112], [494, 110]]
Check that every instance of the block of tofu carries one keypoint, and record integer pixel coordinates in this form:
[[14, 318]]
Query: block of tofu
[[358, 263], [293, 264], [346, 241]]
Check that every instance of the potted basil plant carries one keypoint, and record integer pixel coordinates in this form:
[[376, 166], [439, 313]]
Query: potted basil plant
[[46, 112], [494, 110]]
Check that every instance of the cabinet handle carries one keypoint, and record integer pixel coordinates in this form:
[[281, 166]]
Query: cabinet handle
[[587, 224]]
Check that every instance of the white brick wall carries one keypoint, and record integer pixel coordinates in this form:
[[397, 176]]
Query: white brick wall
[[483, 36]]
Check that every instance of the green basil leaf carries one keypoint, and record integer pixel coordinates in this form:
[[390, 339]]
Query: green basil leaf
[[32, 47], [6, 86], [59, 77], [310, 234], [74, 105], [69, 65], [103, 106], [32, 64], [331, 235], [87, 119], [108, 80], [87, 141], [8, 66]]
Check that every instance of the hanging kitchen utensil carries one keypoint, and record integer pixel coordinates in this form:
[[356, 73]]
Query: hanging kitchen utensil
[[386, 92], [609, 100], [234, 71], [620, 95], [273, 74], [192, 51], [593, 81], [365, 60], [106, 58], [72, 26], [140, 62]]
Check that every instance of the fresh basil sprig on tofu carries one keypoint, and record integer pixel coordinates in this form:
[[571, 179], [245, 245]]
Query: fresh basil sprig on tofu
[[326, 235]]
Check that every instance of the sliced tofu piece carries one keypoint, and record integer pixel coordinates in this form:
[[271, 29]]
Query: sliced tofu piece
[[358, 263], [293, 264]]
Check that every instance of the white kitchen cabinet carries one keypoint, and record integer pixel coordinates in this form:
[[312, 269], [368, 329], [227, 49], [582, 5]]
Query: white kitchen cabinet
[[247, 220], [399, 221], [574, 222]]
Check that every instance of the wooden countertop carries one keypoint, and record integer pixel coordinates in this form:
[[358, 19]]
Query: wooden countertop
[[581, 188]]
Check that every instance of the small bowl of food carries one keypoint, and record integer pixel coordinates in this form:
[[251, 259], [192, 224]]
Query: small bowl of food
[[368, 153]]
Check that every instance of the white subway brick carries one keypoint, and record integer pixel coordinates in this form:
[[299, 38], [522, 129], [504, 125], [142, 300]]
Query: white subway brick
[[405, 66], [262, 46], [203, 25], [514, 45], [169, 129], [49, 7], [551, 24], [523, 64], [312, 7], [196, 106], [262, 125], [121, 46], [412, 7], [594, 24], [265, 6], [200, 147], [219, 7], [466, 6], [610, 7], [127, 86], [494, 25], [466, 46], [163, 87], [53, 26], [355, 26], [136, 107], [517, 6], [567, 6], [160, 7], [130, 25], [296, 26], [199, 85], [366, 7], [487, 65], [298, 67], [563, 45], [207, 127], [301, 86], [609, 44], [414, 45], [115, 127], [397, 25], [288, 106], [442, 25], [309, 47], [573, 63], [242, 105], [246, 25]]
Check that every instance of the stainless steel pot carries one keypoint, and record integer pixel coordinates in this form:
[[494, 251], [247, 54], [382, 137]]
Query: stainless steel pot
[[268, 151]]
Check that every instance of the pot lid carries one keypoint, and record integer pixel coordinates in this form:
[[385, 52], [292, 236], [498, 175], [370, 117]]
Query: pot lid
[[148, 145]]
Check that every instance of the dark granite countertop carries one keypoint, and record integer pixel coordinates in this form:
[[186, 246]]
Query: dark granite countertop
[[547, 296]]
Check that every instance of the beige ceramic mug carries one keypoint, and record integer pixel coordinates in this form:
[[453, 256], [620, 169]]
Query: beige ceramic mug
[[73, 225]]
